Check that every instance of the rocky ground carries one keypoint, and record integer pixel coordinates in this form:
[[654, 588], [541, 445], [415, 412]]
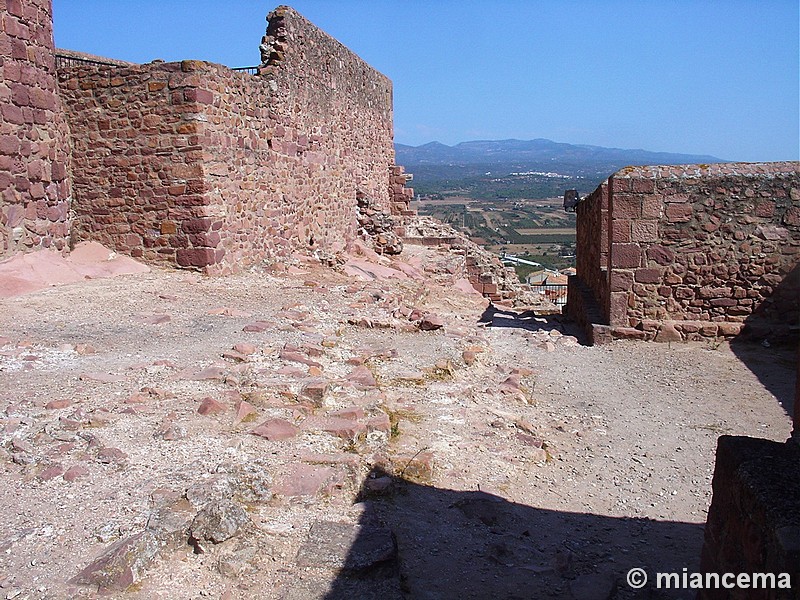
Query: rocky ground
[[367, 431]]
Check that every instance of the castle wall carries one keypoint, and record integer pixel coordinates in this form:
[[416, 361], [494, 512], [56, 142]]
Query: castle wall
[[698, 251], [138, 178], [34, 146], [197, 165], [592, 229]]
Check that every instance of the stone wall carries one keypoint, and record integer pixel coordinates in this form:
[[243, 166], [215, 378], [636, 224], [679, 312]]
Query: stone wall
[[753, 522], [34, 148], [592, 228], [194, 164], [696, 251]]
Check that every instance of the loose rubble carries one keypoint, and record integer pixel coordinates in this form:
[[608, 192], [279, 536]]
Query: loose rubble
[[308, 433]]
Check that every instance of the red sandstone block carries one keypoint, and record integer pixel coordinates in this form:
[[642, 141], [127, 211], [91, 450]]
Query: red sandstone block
[[644, 231], [198, 95], [661, 255], [618, 309], [648, 275], [652, 207], [643, 186], [177, 190], [15, 7], [765, 209], [622, 230], [195, 257], [676, 198], [19, 49], [58, 171], [620, 184], [626, 256], [200, 225], [678, 213], [627, 206], [621, 281], [792, 216]]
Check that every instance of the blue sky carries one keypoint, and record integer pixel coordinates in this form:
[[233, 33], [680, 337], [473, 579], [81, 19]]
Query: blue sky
[[701, 77]]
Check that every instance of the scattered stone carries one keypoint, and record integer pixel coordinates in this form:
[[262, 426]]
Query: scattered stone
[[51, 472], [84, 349], [111, 456], [121, 565], [469, 357], [209, 406], [295, 356], [235, 356], [378, 485], [101, 377], [348, 548], [346, 429], [233, 564], [379, 422], [481, 507], [257, 327], [245, 348], [212, 489], [218, 521], [352, 413], [20, 445], [345, 458], [417, 467], [303, 480], [156, 319], [245, 412], [315, 390], [211, 372], [362, 377], [58, 404], [275, 430], [137, 398], [431, 322], [668, 333], [75, 472]]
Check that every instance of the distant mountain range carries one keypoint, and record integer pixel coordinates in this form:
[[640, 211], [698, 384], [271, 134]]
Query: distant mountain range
[[537, 151], [522, 168]]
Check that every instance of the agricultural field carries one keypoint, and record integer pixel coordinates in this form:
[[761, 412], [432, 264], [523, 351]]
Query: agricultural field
[[537, 229]]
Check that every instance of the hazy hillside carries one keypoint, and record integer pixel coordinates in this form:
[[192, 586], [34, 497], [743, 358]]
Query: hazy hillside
[[522, 168]]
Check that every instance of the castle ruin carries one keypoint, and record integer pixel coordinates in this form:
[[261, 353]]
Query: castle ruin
[[193, 164]]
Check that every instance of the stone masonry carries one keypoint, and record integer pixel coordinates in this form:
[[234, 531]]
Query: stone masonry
[[198, 165], [34, 146], [686, 252]]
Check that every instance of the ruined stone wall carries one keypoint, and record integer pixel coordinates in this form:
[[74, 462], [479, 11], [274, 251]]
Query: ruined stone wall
[[137, 161], [697, 251], [753, 522], [34, 148], [194, 164]]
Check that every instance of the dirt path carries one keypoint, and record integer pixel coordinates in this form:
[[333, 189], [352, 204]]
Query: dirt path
[[532, 467]]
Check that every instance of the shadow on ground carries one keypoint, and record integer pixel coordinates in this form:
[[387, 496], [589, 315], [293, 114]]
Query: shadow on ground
[[422, 542], [528, 320]]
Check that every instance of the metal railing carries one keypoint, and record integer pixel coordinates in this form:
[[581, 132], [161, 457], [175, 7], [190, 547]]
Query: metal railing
[[64, 60], [250, 70], [554, 292]]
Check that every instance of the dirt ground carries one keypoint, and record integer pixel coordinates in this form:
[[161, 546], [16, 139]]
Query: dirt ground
[[492, 457]]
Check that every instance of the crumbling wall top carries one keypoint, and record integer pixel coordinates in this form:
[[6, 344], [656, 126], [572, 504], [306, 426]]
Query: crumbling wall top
[[732, 169]]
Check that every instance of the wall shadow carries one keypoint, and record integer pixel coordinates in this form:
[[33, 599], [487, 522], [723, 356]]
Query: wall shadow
[[455, 545], [770, 340], [529, 320]]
